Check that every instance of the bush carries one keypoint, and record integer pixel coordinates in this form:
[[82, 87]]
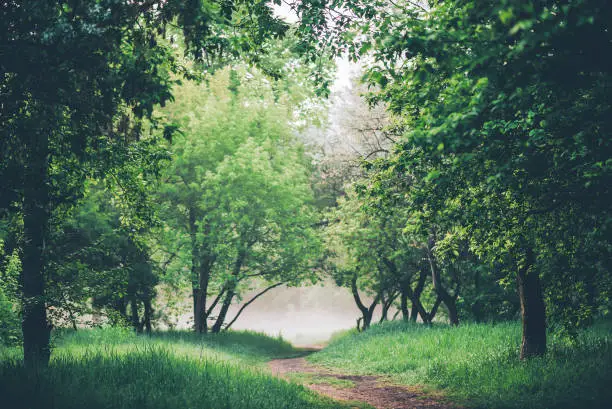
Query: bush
[[10, 328]]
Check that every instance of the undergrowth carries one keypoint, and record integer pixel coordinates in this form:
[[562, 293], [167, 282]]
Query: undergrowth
[[116, 369], [479, 364]]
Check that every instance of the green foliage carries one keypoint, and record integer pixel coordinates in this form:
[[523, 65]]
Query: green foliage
[[236, 197], [10, 330], [505, 114], [477, 363], [79, 80], [10, 324], [96, 260]]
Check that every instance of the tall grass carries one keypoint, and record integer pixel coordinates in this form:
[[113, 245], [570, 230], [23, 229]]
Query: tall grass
[[479, 364], [240, 347], [117, 369]]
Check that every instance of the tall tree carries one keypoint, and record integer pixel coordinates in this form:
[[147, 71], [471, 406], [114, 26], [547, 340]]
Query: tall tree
[[507, 102], [76, 76], [237, 179]]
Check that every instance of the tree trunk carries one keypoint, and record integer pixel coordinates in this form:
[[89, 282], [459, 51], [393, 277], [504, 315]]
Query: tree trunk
[[451, 306], [415, 300], [386, 306], [134, 314], [448, 300], [148, 312], [366, 312], [199, 295], [202, 295], [420, 310], [404, 305], [231, 292], [120, 305], [434, 309], [35, 327], [533, 310], [227, 302]]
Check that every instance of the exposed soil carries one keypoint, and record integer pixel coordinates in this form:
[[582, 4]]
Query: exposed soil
[[374, 390]]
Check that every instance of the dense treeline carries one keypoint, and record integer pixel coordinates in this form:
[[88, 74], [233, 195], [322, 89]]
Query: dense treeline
[[153, 142], [83, 147], [502, 172]]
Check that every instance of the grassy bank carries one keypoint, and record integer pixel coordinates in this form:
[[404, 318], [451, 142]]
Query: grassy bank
[[478, 364], [116, 369]]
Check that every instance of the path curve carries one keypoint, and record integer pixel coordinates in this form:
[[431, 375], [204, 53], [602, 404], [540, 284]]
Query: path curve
[[373, 390]]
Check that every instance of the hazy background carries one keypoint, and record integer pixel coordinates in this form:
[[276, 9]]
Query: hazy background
[[305, 316]]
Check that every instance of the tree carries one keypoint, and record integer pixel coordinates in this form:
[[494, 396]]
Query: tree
[[236, 148], [263, 220], [352, 262], [506, 102], [76, 79]]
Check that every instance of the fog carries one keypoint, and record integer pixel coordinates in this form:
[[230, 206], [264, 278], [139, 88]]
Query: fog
[[305, 316]]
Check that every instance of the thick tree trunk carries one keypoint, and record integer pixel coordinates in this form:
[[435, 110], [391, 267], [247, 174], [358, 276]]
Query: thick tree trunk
[[200, 296], [420, 310], [451, 306], [35, 327], [366, 320], [533, 310], [198, 293]]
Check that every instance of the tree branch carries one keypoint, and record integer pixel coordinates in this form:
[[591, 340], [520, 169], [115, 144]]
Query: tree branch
[[250, 302], [215, 302]]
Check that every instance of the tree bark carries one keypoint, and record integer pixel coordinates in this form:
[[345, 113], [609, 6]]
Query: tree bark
[[195, 259], [148, 312], [448, 300], [229, 296], [420, 309], [200, 275], [134, 314], [417, 307], [404, 304], [35, 327], [434, 309], [227, 302], [200, 312], [533, 310], [366, 312], [386, 306]]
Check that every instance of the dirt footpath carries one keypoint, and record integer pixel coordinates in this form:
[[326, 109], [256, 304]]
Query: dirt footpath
[[373, 390]]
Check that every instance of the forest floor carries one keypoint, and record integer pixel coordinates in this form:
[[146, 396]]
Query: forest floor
[[376, 391]]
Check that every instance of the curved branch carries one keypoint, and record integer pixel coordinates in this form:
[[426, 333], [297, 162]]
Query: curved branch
[[249, 303], [215, 302]]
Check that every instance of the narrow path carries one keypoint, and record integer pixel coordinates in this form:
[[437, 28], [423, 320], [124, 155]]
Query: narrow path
[[373, 390]]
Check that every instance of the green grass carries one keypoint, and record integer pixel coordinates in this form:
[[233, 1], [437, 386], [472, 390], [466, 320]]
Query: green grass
[[478, 364], [117, 369], [239, 347]]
